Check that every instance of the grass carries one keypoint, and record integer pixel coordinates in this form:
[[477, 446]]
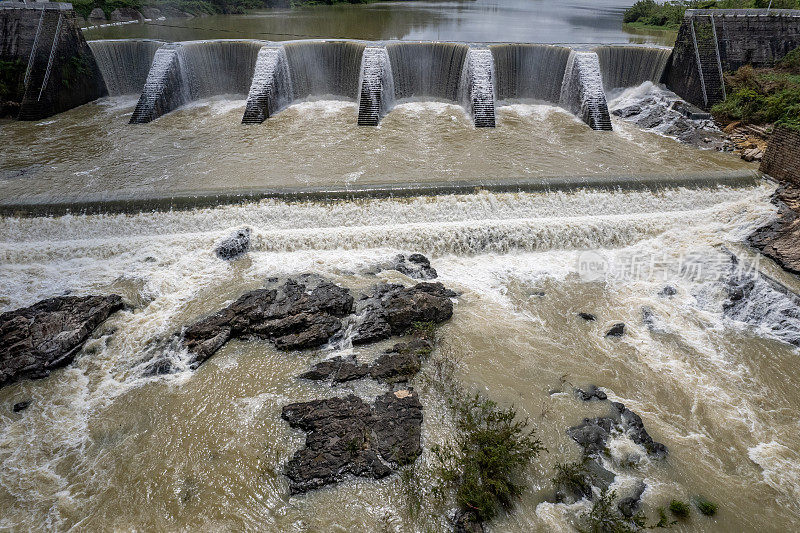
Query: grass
[[669, 15], [763, 95]]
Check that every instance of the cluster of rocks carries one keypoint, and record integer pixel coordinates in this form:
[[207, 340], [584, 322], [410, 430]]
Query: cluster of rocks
[[47, 335], [128, 14], [780, 239], [415, 266], [747, 140], [593, 436]]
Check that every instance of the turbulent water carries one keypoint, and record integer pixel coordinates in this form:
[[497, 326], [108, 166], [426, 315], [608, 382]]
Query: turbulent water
[[92, 152], [103, 447]]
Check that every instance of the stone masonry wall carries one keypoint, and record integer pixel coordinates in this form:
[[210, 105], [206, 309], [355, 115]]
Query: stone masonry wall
[[74, 78], [782, 158], [737, 37]]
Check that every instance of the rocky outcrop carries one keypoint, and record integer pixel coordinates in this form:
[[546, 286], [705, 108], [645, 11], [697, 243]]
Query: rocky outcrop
[[47, 335], [587, 316], [415, 266], [593, 433], [347, 436], [392, 309], [126, 14], [592, 392], [617, 330], [301, 313], [780, 239], [234, 245], [399, 364]]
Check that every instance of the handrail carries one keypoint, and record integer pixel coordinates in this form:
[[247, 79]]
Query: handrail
[[699, 65], [50, 60], [33, 52], [719, 60]]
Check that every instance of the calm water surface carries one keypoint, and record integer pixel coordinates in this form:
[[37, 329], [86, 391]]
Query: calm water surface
[[575, 21]]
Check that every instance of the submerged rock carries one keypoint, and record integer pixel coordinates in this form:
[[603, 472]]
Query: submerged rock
[[21, 406], [628, 505], [401, 363], [668, 290], [302, 313], [592, 392], [392, 309], [234, 245], [465, 521], [593, 433], [617, 330], [48, 334], [348, 436], [587, 316], [415, 266]]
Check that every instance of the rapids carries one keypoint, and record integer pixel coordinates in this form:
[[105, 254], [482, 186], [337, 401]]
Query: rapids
[[102, 446]]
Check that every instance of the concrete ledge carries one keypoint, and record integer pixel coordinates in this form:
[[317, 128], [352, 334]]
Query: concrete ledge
[[138, 202], [58, 6], [743, 12]]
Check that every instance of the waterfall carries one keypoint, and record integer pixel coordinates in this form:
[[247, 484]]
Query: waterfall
[[582, 90], [325, 68], [427, 69], [271, 89], [182, 72], [529, 71], [376, 92], [477, 87], [629, 66], [166, 87], [124, 63]]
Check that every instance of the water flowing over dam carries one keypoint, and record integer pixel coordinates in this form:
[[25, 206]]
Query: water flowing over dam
[[124, 63], [376, 75]]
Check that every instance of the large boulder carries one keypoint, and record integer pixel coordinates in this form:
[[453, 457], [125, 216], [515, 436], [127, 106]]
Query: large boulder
[[48, 334], [593, 434], [415, 266], [302, 313], [126, 14], [393, 309], [234, 245], [347, 436], [97, 15]]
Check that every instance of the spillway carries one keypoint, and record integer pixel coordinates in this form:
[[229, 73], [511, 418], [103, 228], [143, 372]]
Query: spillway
[[477, 87], [124, 63], [427, 70], [629, 66], [582, 90], [324, 68], [182, 72], [376, 92], [529, 71]]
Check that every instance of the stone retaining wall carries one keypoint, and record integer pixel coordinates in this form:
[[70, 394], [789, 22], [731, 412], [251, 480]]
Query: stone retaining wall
[[782, 158]]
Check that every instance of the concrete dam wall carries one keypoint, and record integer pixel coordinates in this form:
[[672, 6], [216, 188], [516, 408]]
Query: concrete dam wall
[[379, 75], [56, 70], [714, 41]]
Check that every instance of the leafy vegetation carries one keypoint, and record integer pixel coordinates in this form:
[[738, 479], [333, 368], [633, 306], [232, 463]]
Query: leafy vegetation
[[573, 477], [669, 14], [605, 518], [490, 449], [679, 508], [705, 506], [763, 95]]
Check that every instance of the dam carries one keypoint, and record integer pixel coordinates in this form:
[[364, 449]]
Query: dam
[[376, 75]]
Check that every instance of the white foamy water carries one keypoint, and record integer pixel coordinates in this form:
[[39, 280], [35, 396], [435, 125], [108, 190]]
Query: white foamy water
[[104, 447]]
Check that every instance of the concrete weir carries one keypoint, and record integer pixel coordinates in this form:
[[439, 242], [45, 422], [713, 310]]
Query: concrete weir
[[378, 75]]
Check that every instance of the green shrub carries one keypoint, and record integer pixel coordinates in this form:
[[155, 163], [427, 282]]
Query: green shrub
[[573, 477], [705, 506], [12, 75], [485, 462], [679, 508], [605, 518]]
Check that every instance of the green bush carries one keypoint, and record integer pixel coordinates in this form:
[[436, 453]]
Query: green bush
[[605, 518], [485, 462], [679, 508], [12, 74], [705, 506], [669, 14]]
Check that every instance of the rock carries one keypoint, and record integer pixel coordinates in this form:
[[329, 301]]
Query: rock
[[401, 363], [587, 316], [465, 521], [21, 406], [126, 14], [348, 436], [668, 290], [392, 309], [617, 330], [628, 505], [591, 393], [649, 318], [302, 313], [234, 245], [47, 335], [780, 238], [97, 14], [415, 266], [627, 112], [151, 13], [593, 433]]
